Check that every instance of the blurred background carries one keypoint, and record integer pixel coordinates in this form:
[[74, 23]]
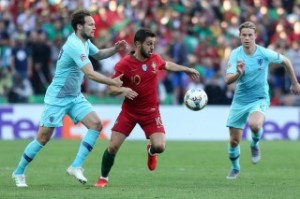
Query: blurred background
[[194, 33]]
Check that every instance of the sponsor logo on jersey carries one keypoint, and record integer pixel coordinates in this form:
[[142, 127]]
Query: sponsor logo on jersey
[[153, 65]]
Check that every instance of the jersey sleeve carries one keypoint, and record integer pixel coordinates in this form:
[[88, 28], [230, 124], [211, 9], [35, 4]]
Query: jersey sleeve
[[231, 64], [118, 70], [77, 53], [272, 56], [161, 63], [92, 48]]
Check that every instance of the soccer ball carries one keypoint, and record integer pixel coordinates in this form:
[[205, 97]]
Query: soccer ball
[[195, 99]]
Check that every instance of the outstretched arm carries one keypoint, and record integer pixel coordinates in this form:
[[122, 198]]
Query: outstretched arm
[[98, 77], [107, 52], [295, 87], [194, 74], [126, 92]]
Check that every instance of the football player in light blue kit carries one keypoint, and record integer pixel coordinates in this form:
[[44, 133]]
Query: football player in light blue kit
[[248, 66], [64, 97]]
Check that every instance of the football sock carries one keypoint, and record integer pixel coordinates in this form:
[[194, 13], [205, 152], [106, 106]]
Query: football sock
[[107, 162], [256, 137], [29, 153], [234, 156], [86, 146], [152, 150]]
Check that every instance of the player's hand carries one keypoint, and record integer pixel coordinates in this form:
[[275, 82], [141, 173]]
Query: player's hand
[[129, 93], [117, 81], [240, 67], [295, 89], [193, 73], [121, 45]]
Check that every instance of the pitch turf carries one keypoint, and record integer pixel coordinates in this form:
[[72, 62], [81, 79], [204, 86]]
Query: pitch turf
[[186, 170]]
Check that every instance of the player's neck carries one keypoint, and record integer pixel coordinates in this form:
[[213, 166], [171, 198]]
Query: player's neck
[[251, 50], [138, 56], [81, 38]]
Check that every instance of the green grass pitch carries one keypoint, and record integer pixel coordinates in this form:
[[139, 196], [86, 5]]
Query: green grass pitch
[[187, 169]]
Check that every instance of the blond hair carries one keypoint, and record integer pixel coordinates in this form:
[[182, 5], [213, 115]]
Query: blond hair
[[247, 24]]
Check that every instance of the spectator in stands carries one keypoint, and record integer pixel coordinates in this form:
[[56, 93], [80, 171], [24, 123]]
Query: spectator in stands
[[202, 21], [41, 63], [178, 55]]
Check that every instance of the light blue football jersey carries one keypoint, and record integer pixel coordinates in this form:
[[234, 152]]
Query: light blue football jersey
[[66, 83], [253, 84]]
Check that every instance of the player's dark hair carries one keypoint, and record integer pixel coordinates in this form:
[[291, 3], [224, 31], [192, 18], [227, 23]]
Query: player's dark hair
[[142, 34], [78, 18]]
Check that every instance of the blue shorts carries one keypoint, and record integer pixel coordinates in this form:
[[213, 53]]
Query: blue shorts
[[239, 114], [77, 109]]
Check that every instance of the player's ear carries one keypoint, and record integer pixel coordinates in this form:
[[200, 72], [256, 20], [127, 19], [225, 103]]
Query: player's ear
[[79, 27], [137, 44]]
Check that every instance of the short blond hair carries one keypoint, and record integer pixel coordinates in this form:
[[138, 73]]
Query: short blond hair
[[247, 24]]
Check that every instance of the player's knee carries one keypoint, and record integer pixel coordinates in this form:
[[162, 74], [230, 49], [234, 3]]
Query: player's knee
[[159, 148], [113, 149], [255, 127], [234, 143], [43, 140], [97, 125]]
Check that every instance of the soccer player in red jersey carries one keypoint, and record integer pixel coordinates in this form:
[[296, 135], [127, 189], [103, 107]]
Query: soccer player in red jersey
[[141, 104]]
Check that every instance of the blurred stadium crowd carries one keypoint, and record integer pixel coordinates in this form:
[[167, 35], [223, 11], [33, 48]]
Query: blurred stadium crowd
[[195, 33]]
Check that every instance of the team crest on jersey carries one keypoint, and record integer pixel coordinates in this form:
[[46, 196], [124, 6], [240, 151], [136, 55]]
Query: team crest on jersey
[[83, 57], [144, 67], [260, 61]]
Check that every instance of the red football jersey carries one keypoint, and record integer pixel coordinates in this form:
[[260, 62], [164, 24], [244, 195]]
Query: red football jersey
[[142, 77]]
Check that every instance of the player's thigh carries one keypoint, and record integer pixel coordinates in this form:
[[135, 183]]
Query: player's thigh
[[257, 114], [80, 109], [237, 117], [124, 123], [92, 121], [152, 124], [52, 116]]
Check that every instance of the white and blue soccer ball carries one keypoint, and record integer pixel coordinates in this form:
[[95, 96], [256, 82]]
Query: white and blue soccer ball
[[195, 99]]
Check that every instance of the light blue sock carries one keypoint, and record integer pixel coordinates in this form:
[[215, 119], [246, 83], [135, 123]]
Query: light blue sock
[[234, 156], [29, 153], [86, 146], [256, 137]]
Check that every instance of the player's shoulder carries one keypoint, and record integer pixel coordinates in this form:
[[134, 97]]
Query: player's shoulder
[[261, 50], [127, 59], [238, 49], [155, 55], [72, 42]]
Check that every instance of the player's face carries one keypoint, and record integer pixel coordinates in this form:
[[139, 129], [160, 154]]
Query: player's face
[[148, 47], [247, 36], [88, 30]]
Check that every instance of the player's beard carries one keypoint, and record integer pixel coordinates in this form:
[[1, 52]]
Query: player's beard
[[144, 53], [85, 36]]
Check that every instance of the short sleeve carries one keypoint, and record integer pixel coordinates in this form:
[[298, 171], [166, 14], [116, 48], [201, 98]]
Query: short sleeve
[[118, 70], [92, 48], [272, 56], [78, 54], [161, 63], [231, 64]]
